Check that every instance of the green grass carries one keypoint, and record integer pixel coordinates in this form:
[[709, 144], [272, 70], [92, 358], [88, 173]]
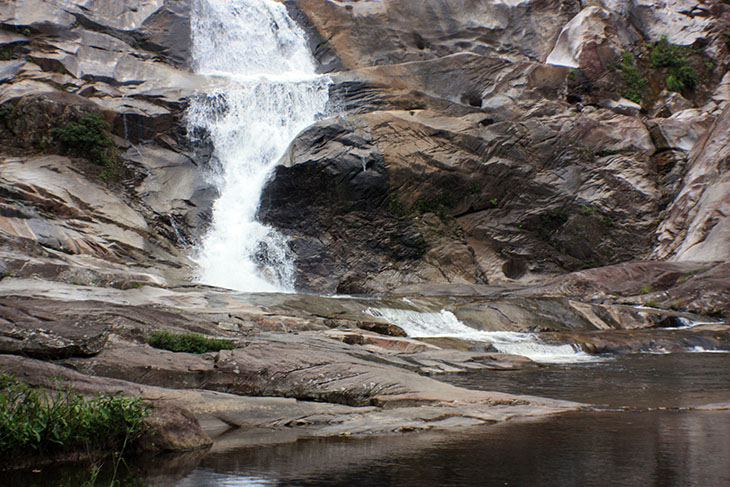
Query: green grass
[[187, 342], [36, 422]]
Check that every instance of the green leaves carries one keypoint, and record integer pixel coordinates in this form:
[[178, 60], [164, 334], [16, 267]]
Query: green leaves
[[33, 420], [89, 138], [187, 342], [681, 76], [635, 83]]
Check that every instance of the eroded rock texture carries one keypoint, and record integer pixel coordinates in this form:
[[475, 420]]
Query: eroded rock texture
[[492, 141], [128, 63]]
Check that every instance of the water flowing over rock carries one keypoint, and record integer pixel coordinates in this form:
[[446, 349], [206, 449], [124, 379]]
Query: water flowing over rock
[[268, 92]]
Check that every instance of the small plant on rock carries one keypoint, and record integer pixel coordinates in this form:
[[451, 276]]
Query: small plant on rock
[[635, 83], [89, 137], [187, 342], [6, 111]]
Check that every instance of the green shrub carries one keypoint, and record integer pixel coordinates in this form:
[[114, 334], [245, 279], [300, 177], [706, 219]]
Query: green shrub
[[551, 221], [635, 83], [6, 111], [89, 137], [664, 54], [587, 210], [395, 207], [187, 342], [681, 76], [439, 204], [33, 421]]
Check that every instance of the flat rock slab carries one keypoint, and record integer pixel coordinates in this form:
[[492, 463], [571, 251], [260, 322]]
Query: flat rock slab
[[300, 418], [28, 332]]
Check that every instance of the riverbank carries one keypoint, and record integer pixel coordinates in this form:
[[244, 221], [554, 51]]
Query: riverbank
[[302, 366]]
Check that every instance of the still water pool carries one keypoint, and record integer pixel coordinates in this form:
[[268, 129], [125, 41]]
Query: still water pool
[[649, 429]]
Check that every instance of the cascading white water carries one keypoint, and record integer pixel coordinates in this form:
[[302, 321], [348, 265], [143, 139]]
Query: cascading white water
[[421, 324], [266, 91]]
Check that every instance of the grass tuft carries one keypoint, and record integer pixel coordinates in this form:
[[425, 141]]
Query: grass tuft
[[187, 342]]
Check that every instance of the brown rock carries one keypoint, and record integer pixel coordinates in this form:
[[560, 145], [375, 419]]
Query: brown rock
[[171, 427]]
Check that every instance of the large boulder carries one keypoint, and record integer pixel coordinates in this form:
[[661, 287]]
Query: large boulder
[[397, 197], [592, 40]]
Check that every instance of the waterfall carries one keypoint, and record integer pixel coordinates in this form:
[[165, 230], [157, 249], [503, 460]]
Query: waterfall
[[420, 324], [264, 91]]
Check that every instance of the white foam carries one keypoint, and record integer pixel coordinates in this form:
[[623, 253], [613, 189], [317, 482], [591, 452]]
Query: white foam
[[267, 92], [420, 324]]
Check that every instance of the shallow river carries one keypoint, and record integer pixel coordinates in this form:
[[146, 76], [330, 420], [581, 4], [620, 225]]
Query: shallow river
[[645, 432]]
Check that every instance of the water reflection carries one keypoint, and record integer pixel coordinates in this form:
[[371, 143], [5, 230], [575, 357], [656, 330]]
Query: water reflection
[[662, 448], [646, 446], [634, 381]]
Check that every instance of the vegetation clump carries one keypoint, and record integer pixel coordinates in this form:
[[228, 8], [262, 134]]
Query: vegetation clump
[[635, 83], [34, 422], [187, 342], [681, 76], [89, 137], [550, 222], [439, 204], [6, 111]]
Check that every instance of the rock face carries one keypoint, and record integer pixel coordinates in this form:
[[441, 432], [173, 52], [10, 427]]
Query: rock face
[[696, 227], [128, 63], [461, 158], [470, 160]]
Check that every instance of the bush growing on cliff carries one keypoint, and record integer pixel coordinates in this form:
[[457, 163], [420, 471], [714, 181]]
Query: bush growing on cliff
[[681, 76], [89, 137], [187, 342], [6, 112], [635, 83], [34, 422]]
